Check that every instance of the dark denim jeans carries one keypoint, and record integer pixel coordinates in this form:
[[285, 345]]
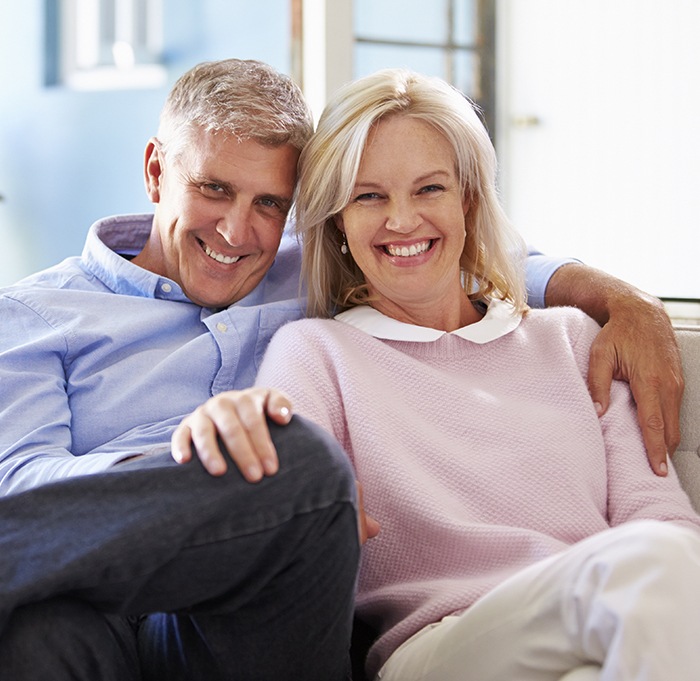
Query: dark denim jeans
[[257, 580]]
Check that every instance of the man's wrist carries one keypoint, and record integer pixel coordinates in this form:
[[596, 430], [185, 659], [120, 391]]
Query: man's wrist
[[597, 293]]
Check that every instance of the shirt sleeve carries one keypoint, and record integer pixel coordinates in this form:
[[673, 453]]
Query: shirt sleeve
[[538, 270], [634, 491], [35, 415]]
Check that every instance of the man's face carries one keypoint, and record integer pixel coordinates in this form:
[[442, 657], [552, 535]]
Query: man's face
[[221, 207]]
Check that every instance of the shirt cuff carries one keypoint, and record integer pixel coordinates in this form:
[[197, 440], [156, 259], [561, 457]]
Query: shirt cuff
[[538, 270]]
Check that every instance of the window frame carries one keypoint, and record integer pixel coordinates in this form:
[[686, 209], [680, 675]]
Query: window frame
[[104, 44]]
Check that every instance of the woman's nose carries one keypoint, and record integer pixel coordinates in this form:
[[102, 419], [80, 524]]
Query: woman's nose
[[403, 216]]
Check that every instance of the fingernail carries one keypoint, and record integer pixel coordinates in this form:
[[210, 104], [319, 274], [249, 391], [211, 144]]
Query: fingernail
[[270, 466], [663, 468], [285, 413], [177, 456], [598, 408], [254, 473]]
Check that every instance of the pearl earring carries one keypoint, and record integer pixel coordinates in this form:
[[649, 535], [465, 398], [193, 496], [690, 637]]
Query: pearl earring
[[344, 246]]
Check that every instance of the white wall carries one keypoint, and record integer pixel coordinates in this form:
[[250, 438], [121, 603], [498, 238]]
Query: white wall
[[610, 170]]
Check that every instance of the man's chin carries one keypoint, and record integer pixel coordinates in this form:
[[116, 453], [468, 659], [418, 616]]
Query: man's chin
[[210, 297]]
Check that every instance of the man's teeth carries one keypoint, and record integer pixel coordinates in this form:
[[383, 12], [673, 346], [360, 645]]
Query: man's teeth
[[406, 251], [227, 260]]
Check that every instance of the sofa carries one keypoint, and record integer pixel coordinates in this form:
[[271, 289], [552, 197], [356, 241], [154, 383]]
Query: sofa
[[686, 461], [687, 457]]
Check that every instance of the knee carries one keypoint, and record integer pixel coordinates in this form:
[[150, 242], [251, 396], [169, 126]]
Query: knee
[[660, 551], [663, 543], [315, 458]]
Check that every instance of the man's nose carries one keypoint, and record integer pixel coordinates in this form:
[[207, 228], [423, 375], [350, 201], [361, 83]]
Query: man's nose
[[235, 226]]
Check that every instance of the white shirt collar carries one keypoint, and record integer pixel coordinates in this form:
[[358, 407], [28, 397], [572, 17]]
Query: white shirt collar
[[499, 320]]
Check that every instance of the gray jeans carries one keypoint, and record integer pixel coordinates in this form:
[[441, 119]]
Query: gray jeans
[[158, 571]]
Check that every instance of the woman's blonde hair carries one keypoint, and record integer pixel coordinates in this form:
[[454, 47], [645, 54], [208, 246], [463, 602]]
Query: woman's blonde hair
[[492, 259]]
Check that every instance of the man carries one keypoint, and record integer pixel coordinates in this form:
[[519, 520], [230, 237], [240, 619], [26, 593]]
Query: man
[[99, 359], [102, 356]]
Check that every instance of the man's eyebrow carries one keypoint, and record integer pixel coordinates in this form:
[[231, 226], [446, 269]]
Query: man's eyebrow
[[195, 178], [285, 202]]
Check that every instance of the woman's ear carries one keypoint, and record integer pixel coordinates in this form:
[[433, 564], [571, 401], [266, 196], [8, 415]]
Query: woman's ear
[[466, 202], [338, 219], [153, 169]]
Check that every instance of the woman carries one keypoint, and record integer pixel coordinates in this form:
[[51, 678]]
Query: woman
[[520, 534]]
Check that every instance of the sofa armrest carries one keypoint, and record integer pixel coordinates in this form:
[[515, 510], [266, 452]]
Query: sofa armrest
[[687, 457]]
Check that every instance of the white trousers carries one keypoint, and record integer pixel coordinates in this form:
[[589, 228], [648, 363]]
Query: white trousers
[[623, 605]]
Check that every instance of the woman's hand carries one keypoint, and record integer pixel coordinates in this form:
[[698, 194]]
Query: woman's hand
[[367, 526], [238, 419]]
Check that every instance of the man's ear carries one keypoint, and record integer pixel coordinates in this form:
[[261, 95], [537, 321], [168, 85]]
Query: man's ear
[[153, 169]]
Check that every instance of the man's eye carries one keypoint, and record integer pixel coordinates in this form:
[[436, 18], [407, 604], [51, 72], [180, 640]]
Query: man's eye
[[213, 189], [269, 204], [273, 207]]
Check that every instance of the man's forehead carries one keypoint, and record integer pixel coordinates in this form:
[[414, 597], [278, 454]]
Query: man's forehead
[[225, 159]]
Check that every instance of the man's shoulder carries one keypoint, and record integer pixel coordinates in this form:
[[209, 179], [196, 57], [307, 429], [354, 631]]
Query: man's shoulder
[[60, 276]]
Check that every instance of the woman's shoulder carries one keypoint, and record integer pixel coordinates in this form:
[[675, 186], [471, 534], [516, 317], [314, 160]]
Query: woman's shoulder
[[570, 323], [566, 318], [315, 329]]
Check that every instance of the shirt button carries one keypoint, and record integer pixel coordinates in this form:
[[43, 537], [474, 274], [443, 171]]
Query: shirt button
[[166, 288], [222, 327]]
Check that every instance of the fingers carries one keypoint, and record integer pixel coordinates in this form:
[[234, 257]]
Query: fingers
[[279, 407], [367, 526], [651, 421], [645, 354], [237, 421], [658, 407], [600, 373], [198, 431], [671, 417]]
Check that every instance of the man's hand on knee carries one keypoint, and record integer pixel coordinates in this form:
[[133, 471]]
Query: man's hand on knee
[[238, 420]]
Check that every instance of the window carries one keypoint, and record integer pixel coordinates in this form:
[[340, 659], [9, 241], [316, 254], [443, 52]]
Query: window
[[104, 44], [452, 39]]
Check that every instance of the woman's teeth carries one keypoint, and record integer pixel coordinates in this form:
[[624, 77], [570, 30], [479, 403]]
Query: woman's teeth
[[407, 251]]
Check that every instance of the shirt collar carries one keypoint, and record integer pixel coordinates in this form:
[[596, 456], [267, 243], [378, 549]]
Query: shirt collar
[[499, 320], [109, 239]]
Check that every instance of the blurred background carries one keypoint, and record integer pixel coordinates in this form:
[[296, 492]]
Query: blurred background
[[593, 106]]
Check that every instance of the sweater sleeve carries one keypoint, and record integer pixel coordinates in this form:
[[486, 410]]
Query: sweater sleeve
[[297, 363], [634, 491]]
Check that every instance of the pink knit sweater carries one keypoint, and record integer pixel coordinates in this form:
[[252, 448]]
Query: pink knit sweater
[[477, 460]]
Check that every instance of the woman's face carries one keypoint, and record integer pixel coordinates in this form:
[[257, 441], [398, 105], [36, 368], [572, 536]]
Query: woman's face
[[405, 224]]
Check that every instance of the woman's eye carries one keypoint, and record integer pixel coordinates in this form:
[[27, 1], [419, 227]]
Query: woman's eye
[[367, 196], [428, 189]]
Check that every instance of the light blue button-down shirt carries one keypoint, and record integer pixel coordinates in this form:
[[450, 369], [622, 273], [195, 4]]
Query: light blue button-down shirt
[[101, 359]]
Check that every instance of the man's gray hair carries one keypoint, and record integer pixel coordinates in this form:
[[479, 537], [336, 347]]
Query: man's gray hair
[[246, 99]]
